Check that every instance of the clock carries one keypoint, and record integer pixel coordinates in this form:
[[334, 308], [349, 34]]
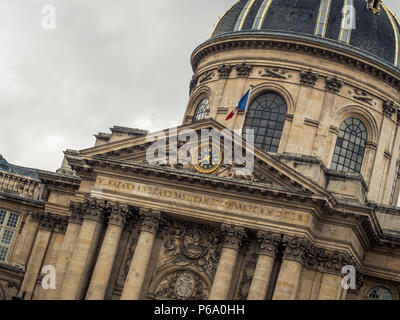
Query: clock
[[208, 158]]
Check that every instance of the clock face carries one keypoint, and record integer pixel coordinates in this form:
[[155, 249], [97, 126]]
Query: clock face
[[208, 158]]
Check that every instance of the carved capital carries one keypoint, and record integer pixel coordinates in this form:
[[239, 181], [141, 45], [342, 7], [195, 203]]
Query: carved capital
[[224, 71], [308, 77], [269, 243], [389, 109], [243, 69], [334, 84], [94, 209], [118, 214], [76, 211], [151, 220], [295, 247], [47, 221], [232, 236], [61, 224]]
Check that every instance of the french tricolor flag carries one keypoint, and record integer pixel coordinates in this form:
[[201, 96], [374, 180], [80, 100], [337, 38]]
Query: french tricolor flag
[[242, 105]]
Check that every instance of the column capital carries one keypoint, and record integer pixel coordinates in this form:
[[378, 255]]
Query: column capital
[[118, 214], [233, 236], [61, 224], [47, 221], [94, 209], [294, 248], [76, 210], [151, 220], [269, 242]]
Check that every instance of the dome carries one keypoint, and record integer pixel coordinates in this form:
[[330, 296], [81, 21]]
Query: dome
[[365, 27]]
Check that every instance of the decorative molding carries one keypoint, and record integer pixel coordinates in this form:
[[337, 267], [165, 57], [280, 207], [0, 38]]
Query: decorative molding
[[389, 109], [118, 214], [308, 77], [311, 122], [334, 130], [222, 110], [224, 71], [207, 76], [371, 145], [333, 84], [269, 243], [232, 236], [243, 69], [388, 155], [275, 73], [289, 117]]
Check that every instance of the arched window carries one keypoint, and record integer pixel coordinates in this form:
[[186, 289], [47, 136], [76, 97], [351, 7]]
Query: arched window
[[266, 116], [380, 294], [350, 146], [201, 110]]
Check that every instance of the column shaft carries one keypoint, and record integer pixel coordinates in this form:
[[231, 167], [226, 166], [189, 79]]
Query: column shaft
[[288, 280], [26, 241], [331, 287], [262, 274]]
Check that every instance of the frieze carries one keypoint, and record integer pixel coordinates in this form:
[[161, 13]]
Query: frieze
[[206, 201]]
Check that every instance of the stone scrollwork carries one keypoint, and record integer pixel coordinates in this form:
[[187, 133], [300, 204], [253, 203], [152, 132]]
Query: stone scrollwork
[[308, 78], [191, 245], [363, 96], [182, 285], [243, 69], [206, 76], [224, 71], [333, 84], [275, 73]]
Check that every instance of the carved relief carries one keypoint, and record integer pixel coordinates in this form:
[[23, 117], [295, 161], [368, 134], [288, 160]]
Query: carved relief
[[224, 71], [308, 78], [233, 236], [275, 73], [193, 83], [247, 276], [334, 84], [243, 69], [192, 245], [182, 285], [118, 214], [76, 210], [206, 77], [269, 242], [363, 96], [94, 209]]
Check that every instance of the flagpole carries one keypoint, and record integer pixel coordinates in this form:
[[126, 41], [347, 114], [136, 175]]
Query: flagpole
[[245, 112]]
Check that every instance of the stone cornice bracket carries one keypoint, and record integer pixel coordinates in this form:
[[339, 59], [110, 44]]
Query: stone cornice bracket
[[232, 236], [76, 210], [151, 220], [389, 109], [333, 84], [308, 78], [243, 69], [118, 214], [269, 243], [94, 209]]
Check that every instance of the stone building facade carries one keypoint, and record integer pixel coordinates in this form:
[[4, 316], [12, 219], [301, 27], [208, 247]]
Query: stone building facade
[[323, 193]]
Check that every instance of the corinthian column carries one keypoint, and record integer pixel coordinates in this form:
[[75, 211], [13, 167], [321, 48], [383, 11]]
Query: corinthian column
[[289, 275], [137, 271], [74, 224], [77, 275], [46, 226], [269, 243], [105, 261], [232, 241]]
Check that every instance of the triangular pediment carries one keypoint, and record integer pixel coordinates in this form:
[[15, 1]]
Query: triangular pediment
[[268, 170]]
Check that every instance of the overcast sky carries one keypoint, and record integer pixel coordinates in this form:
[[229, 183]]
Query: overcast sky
[[108, 62]]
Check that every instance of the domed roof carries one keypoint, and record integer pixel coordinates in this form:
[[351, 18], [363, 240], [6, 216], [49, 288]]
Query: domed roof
[[366, 27]]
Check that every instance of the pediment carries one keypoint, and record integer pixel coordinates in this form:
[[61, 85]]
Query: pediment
[[268, 170]]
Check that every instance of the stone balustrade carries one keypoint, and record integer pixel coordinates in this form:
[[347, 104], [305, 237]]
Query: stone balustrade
[[22, 186]]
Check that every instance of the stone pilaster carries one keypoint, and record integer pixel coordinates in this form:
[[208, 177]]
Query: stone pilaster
[[232, 241], [46, 225], [289, 275], [75, 221], [150, 223], [77, 275], [269, 245], [105, 261]]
